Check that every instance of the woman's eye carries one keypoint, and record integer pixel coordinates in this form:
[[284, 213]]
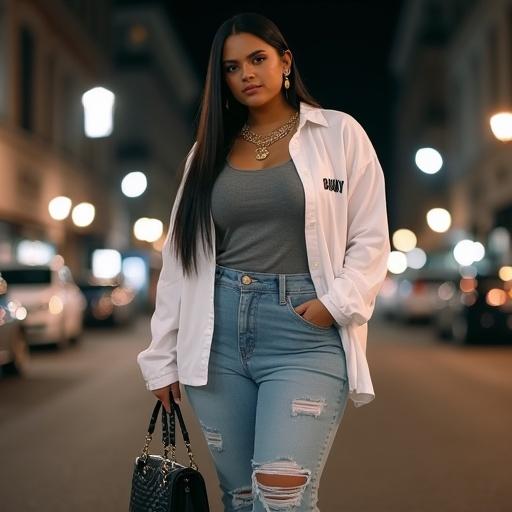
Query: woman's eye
[[228, 69]]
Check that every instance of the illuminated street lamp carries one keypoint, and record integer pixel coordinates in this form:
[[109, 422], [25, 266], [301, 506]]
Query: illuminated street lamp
[[417, 258], [98, 105], [505, 273], [404, 240], [106, 263], [467, 252], [134, 184], [59, 207], [148, 230], [501, 126], [397, 262], [428, 160], [439, 220], [83, 214]]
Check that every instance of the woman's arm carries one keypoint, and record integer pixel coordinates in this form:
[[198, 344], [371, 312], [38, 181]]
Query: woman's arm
[[351, 297], [158, 362]]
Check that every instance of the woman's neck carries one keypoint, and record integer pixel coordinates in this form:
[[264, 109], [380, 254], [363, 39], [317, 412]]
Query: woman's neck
[[269, 116]]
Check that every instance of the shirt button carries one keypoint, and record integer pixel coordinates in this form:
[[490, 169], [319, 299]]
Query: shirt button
[[315, 264]]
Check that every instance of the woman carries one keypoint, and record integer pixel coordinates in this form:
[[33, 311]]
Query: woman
[[266, 327]]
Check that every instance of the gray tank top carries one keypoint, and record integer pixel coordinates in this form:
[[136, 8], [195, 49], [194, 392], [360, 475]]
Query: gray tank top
[[259, 219]]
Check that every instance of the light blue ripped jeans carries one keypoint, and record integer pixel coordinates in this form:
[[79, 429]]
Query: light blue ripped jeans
[[276, 392]]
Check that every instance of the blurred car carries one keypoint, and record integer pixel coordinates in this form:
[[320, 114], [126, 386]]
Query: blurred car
[[48, 299], [475, 310], [108, 304], [411, 296], [14, 354]]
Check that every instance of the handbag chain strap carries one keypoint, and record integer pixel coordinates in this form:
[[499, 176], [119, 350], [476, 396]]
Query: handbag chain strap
[[168, 435]]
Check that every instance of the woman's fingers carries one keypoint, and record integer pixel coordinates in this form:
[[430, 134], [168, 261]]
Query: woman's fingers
[[163, 395], [176, 392]]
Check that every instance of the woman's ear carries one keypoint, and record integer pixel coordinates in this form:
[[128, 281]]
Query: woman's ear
[[287, 59]]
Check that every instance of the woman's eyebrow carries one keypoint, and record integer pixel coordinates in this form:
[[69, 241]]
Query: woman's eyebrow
[[248, 56]]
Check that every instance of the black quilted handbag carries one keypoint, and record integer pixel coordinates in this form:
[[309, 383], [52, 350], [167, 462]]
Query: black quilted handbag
[[159, 483]]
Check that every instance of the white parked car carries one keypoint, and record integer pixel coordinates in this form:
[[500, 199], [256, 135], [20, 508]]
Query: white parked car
[[411, 296], [48, 300], [14, 355]]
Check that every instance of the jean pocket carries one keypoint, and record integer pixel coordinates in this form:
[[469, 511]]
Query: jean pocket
[[294, 300]]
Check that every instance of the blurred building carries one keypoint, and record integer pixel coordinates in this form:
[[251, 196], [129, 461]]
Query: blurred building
[[157, 96], [452, 63], [51, 52]]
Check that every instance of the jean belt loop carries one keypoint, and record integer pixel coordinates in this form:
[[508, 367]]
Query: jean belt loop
[[282, 289]]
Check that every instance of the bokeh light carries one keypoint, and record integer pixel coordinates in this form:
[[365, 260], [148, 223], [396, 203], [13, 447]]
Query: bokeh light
[[148, 230], [397, 262], [98, 105], [106, 263], [417, 258], [83, 214], [59, 207], [134, 184], [428, 160], [439, 220], [501, 126], [505, 273], [463, 252], [404, 240], [496, 297]]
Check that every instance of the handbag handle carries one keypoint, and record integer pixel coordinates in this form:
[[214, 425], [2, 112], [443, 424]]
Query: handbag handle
[[168, 432], [149, 436], [186, 438]]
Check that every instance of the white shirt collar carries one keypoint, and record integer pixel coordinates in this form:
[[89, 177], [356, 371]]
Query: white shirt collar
[[311, 113]]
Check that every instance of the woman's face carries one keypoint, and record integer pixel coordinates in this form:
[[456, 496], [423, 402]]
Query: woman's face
[[247, 60]]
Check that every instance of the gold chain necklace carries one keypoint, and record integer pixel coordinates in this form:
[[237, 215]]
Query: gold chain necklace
[[264, 141]]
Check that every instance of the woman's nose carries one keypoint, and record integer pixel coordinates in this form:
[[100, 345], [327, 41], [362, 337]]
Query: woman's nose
[[247, 71]]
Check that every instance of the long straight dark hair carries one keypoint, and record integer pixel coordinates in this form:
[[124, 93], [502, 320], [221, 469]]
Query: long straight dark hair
[[216, 133]]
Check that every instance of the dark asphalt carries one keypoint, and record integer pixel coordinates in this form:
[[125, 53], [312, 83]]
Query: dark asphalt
[[437, 438]]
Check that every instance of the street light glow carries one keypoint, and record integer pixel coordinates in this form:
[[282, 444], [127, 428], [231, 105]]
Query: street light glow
[[98, 105], [59, 207], [134, 184], [428, 160], [106, 263], [148, 230], [501, 126], [439, 220], [505, 273], [397, 262], [478, 251], [83, 214], [404, 240], [466, 252], [416, 258]]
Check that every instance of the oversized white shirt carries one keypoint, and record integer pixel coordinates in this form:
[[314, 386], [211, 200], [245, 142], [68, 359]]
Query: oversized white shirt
[[347, 244]]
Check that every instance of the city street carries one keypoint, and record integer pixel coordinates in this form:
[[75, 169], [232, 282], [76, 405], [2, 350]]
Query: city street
[[436, 438]]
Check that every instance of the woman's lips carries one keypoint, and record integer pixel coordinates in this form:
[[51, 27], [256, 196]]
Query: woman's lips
[[252, 90]]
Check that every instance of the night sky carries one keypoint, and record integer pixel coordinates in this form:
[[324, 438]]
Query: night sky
[[341, 48]]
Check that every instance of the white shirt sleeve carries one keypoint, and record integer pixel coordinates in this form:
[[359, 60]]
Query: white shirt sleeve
[[158, 362], [351, 297]]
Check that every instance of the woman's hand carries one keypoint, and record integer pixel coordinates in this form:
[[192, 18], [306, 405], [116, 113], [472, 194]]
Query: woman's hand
[[163, 395], [315, 312]]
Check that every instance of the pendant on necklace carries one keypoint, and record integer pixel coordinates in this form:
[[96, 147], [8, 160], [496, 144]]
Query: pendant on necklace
[[262, 153]]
